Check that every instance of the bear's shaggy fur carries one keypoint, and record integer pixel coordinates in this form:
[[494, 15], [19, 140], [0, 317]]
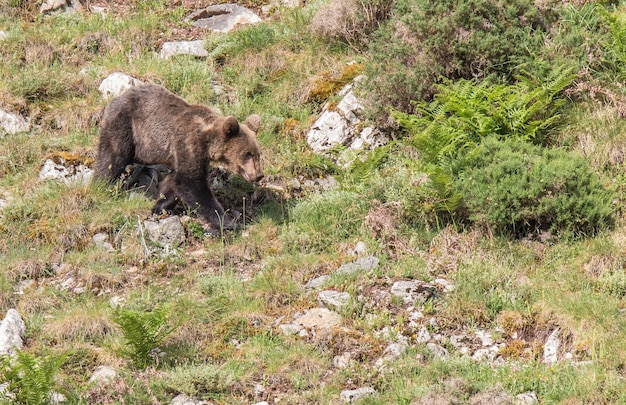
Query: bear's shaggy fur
[[149, 125]]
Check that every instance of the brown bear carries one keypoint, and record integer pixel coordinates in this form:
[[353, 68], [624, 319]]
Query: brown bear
[[150, 125]]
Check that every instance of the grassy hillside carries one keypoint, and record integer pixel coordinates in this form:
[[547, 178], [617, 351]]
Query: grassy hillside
[[467, 97]]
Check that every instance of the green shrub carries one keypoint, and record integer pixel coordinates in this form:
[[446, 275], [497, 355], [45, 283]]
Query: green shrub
[[451, 128], [516, 188], [427, 41]]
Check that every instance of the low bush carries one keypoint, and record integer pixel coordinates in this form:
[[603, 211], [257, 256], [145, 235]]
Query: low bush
[[517, 189], [427, 41]]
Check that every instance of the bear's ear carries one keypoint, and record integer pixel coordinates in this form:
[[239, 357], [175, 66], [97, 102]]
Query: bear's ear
[[230, 126], [253, 122]]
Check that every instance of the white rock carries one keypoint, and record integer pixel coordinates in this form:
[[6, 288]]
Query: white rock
[[56, 398], [411, 291], [166, 232], [351, 396], [333, 300], [342, 360], [223, 17], [102, 375], [183, 399], [12, 331], [526, 398], [363, 264], [13, 123], [438, 351], [551, 348], [423, 336], [485, 337], [4, 35], [102, 239], [319, 318], [330, 130], [193, 48], [392, 352], [290, 328], [444, 284], [116, 83], [488, 354], [317, 282]]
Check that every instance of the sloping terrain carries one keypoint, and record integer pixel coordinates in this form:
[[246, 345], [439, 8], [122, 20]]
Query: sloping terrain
[[392, 279]]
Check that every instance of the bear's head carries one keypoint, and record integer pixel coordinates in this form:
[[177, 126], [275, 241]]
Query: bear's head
[[241, 149]]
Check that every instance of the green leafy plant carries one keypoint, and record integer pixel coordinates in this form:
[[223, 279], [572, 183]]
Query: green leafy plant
[[31, 379], [519, 189], [144, 333], [449, 130]]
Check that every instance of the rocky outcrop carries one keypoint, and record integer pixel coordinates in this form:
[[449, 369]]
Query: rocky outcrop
[[223, 17], [13, 123], [193, 48], [12, 330]]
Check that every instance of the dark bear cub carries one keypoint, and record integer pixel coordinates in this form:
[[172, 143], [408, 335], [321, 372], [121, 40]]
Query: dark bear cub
[[150, 125]]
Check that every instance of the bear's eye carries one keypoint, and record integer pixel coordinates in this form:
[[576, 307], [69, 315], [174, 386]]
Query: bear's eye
[[248, 155]]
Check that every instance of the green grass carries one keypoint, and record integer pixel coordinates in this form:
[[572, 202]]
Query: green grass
[[226, 296]]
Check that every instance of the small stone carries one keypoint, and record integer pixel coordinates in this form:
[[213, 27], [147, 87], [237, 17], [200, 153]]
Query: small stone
[[363, 264], [316, 283], [193, 48], [342, 360], [319, 318], [350, 396], [392, 352], [13, 123], [183, 399], [102, 375], [333, 300], [551, 348], [526, 398], [166, 232], [485, 337], [4, 35], [223, 17], [412, 291], [116, 83], [438, 351], [423, 336], [12, 330]]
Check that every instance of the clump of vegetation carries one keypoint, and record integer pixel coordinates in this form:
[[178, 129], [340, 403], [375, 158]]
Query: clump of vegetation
[[428, 41], [351, 21], [519, 189], [144, 333], [31, 379]]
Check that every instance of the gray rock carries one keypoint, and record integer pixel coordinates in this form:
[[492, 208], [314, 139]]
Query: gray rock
[[193, 48], [486, 354], [68, 6], [12, 331], [319, 318], [551, 348], [166, 232], [223, 17], [526, 398], [351, 396], [411, 291], [102, 239], [392, 352], [333, 300], [438, 351], [70, 174], [485, 337], [342, 360], [363, 264], [116, 83], [13, 123], [4, 35], [102, 375], [290, 328], [183, 399], [423, 336], [317, 282]]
